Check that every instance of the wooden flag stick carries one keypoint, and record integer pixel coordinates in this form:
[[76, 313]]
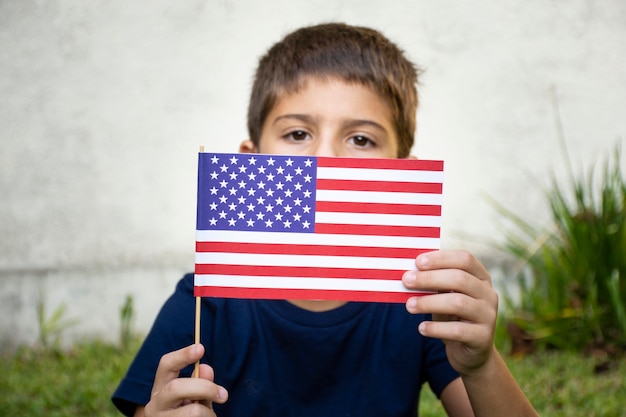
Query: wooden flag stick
[[196, 368]]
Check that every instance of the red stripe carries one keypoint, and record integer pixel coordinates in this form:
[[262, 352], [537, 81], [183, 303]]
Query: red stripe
[[381, 163], [415, 209], [291, 294], [297, 271], [375, 230], [277, 248], [388, 186]]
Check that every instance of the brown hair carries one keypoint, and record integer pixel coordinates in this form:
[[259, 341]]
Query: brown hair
[[351, 53]]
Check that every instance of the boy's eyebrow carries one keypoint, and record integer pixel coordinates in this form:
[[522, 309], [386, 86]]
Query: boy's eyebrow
[[349, 123]]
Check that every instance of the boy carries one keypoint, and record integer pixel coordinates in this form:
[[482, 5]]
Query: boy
[[331, 90]]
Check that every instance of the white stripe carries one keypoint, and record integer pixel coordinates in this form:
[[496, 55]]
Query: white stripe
[[374, 174], [232, 236], [377, 219], [342, 284], [311, 261], [378, 197]]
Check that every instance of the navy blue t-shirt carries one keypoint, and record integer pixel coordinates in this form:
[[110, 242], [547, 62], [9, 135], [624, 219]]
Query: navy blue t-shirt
[[275, 359]]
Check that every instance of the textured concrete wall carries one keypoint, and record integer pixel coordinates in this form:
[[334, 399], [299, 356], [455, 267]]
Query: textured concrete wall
[[103, 105]]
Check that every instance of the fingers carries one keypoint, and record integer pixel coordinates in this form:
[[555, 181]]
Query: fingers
[[172, 395], [172, 363], [463, 294]]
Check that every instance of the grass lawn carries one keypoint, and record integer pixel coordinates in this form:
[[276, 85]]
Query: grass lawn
[[79, 382]]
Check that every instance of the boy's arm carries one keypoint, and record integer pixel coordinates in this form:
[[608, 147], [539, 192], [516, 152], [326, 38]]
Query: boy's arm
[[464, 311]]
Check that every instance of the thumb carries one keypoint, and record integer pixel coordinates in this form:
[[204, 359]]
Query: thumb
[[172, 363]]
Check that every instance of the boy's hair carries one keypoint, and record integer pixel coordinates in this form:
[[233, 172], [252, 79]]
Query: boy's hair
[[351, 53]]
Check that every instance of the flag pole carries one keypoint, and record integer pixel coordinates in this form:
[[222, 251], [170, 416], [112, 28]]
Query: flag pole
[[196, 368]]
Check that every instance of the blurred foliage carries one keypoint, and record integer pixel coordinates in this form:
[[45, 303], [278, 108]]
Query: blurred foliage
[[572, 278]]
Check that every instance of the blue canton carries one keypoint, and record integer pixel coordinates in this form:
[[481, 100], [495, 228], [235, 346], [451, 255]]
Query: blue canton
[[259, 193]]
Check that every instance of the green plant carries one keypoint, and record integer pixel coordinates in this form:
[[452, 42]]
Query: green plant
[[127, 314], [572, 276], [51, 327]]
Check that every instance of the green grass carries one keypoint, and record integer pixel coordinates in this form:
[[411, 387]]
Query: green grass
[[79, 382], [55, 383]]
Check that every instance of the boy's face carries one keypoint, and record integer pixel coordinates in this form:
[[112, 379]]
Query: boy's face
[[329, 118]]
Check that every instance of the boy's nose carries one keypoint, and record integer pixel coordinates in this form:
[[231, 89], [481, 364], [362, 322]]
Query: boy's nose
[[326, 147]]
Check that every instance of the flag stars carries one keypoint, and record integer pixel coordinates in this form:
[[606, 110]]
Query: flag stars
[[257, 192]]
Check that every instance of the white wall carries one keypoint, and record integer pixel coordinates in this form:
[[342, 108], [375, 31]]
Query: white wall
[[103, 105]]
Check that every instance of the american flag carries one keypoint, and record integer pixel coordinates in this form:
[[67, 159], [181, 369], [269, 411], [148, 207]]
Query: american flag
[[304, 227]]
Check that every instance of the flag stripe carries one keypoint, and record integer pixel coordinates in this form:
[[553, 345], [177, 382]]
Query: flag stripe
[[273, 248], [312, 261], [300, 283], [375, 230], [399, 186], [413, 209], [378, 197], [316, 239], [381, 163], [298, 271], [294, 294], [380, 219]]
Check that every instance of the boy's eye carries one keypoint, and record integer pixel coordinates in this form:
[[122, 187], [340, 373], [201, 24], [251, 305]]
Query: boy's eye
[[298, 135], [362, 141]]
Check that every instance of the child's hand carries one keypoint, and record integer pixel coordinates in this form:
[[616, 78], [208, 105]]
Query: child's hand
[[176, 396], [464, 309]]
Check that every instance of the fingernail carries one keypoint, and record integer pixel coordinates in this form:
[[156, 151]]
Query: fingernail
[[411, 304], [422, 261], [421, 328], [409, 277], [222, 393]]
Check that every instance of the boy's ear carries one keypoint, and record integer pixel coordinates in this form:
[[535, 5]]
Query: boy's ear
[[247, 146]]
